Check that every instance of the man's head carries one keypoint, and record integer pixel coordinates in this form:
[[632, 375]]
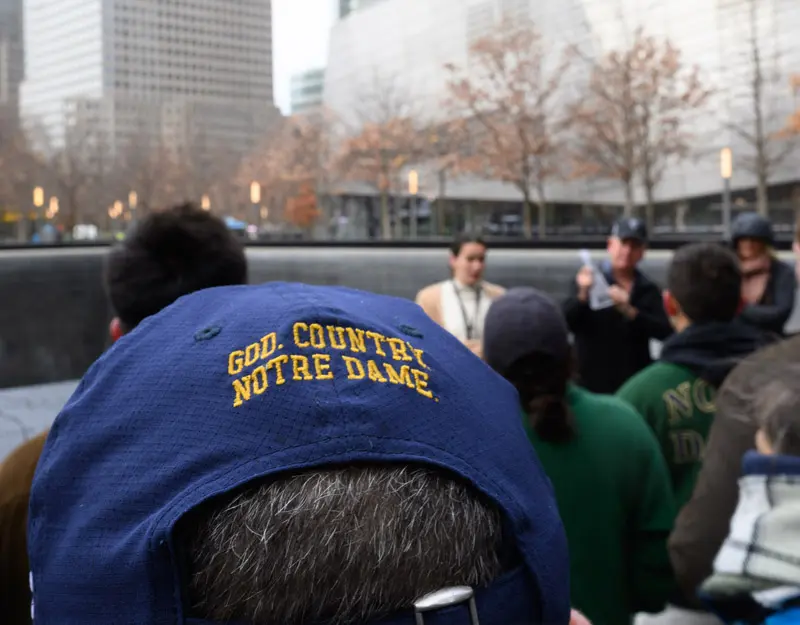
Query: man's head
[[292, 454], [777, 407], [468, 259], [703, 285], [627, 244], [752, 236], [170, 254], [423, 530]]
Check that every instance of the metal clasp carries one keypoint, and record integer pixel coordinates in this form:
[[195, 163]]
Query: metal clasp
[[445, 598]]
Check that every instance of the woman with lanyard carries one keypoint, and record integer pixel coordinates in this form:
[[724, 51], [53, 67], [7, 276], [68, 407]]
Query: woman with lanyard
[[460, 304]]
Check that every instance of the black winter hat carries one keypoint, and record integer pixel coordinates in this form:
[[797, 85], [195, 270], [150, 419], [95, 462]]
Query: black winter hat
[[752, 226]]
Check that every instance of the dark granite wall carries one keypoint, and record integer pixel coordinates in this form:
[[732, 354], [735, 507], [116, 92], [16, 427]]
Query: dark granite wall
[[54, 315]]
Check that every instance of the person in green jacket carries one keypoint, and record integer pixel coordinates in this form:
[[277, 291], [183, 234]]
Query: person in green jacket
[[676, 395], [609, 478]]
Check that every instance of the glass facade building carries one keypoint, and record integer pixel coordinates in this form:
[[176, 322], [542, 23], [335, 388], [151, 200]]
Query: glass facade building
[[12, 59], [411, 41], [161, 66], [307, 90]]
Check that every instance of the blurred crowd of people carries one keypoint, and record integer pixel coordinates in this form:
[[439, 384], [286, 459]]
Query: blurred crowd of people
[[299, 455]]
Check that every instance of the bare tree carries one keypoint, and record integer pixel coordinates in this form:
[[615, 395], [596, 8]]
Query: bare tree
[[632, 120], [511, 99], [146, 167], [760, 123], [21, 170], [793, 124], [446, 149], [294, 167], [758, 112], [385, 143], [79, 167]]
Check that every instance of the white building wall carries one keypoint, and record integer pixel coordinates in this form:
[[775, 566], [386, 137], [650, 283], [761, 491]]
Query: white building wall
[[410, 41]]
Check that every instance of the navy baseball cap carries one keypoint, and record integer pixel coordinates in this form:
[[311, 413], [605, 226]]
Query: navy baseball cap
[[521, 322], [236, 384], [630, 229]]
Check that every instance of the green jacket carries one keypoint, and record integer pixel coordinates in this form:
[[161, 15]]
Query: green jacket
[[679, 408], [615, 500], [676, 395]]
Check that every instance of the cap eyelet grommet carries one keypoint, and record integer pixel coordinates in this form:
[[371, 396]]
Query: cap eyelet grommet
[[445, 598], [410, 331], [207, 334]]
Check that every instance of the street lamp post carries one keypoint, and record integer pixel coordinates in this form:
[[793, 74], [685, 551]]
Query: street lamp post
[[255, 197], [52, 210], [115, 212], [133, 201], [726, 171], [413, 190], [38, 203]]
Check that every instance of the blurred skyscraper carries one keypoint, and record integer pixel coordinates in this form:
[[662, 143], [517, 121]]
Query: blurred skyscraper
[[307, 90], [12, 63], [193, 74]]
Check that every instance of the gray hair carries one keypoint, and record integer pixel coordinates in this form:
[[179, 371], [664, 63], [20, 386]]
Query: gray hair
[[742, 393], [340, 545]]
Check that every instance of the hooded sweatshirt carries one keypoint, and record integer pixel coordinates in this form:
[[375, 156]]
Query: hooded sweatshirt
[[676, 395], [757, 572]]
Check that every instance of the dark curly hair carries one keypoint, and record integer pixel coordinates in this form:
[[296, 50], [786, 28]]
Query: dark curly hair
[[169, 254]]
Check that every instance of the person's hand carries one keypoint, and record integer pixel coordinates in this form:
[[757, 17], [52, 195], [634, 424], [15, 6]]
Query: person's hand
[[622, 300], [619, 296], [576, 618], [584, 280]]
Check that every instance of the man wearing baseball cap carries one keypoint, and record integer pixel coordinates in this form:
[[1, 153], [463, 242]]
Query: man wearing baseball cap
[[169, 253], [293, 454], [610, 480], [613, 343]]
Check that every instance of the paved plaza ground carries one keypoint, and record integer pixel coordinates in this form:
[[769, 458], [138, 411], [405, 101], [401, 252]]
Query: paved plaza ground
[[24, 412]]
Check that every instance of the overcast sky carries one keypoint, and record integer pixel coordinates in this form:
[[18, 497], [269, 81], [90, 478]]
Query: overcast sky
[[300, 38]]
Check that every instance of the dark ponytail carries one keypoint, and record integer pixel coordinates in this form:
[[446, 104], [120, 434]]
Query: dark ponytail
[[541, 382]]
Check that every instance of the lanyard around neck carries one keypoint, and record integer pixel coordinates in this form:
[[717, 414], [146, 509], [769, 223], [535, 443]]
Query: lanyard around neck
[[469, 324]]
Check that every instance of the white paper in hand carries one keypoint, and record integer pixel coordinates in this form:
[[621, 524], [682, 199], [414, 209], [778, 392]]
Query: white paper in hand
[[598, 294]]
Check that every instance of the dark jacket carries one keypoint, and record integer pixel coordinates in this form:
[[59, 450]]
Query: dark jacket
[[776, 305], [611, 348], [676, 394], [712, 350], [704, 521]]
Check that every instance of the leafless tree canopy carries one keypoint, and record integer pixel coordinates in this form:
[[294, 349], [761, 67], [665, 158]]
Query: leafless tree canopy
[[521, 110], [296, 167], [387, 139], [632, 121], [510, 99], [758, 123]]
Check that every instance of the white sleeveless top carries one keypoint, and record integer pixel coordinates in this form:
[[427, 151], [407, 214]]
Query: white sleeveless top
[[464, 310]]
